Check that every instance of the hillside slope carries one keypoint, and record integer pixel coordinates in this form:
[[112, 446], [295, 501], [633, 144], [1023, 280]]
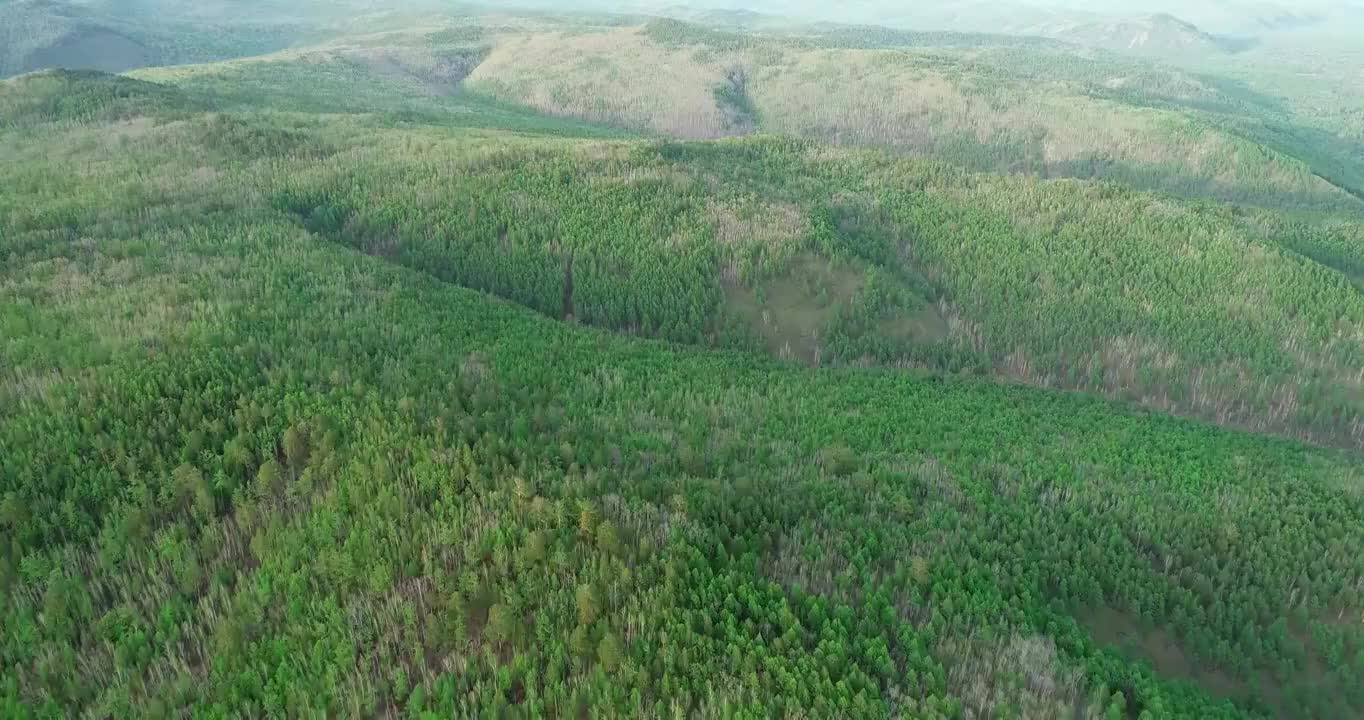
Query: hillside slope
[[831, 256], [251, 470], [1159, 34], [110, 37], [1002, 109]]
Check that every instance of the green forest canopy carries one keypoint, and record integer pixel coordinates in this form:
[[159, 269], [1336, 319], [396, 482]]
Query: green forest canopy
[[291, 421]]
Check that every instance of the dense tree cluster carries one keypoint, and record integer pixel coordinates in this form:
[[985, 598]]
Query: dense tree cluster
[[82, 96], [1243, 317], [386, 498]]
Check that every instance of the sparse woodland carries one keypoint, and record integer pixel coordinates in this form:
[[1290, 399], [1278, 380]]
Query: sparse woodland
[[327, 392]]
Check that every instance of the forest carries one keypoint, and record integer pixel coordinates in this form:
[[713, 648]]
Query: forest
[[452, 369]]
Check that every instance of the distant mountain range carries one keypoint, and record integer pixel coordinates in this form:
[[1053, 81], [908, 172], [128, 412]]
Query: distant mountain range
[[1157, 24], [117, 35], [1157, 34], [1226, 17]]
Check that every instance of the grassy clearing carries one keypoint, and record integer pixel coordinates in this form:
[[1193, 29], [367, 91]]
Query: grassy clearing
[[1161, 649], [792, 313], [1238, 681]]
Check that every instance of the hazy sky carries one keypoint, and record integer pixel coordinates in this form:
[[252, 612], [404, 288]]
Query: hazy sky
[[1219, 16]]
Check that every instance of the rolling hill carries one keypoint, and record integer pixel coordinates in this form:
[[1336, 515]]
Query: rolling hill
[[1161, 35], [119, 35], [522, 365], [1039, 111], [843, 267]]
